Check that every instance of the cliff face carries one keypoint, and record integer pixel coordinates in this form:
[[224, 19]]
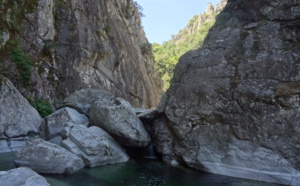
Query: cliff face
[[233, 107], [76, 44], [191, 37]]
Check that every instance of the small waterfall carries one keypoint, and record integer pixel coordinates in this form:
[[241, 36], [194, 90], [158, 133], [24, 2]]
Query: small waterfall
[[150, 152]]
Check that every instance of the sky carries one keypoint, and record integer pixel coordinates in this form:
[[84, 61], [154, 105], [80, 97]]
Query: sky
[[164, 18]]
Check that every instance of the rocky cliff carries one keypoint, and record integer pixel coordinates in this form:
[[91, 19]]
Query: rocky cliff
[[198, 20], [233, 107], [51, 48], [191, 37]]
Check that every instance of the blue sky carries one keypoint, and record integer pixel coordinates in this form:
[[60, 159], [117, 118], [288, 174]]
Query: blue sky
[[166, 17]]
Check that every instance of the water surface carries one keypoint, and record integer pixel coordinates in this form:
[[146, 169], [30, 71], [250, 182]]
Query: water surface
[[141, 172]]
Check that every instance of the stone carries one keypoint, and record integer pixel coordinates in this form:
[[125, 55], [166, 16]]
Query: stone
[[233, 106], [95, 146], [118, 118], [83, 99], [54, 125], [45, 157], [4, 146], [17, 117], [147, 115], [22, 176]]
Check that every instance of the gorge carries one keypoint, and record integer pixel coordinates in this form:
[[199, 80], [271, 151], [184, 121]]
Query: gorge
[[233, 106]]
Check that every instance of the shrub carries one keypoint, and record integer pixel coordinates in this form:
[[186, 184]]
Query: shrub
[[22, 60], [43, 107]]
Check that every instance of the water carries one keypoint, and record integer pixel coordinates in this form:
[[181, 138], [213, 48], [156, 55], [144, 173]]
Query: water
[[142, 172]]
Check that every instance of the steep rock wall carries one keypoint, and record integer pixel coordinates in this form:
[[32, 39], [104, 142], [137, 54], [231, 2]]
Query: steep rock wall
[[78, 44], [234, 106]]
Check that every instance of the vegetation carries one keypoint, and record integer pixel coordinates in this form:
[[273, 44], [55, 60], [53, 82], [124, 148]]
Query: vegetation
[[43, 107], [167, 54], [22, 60], [17, 13]]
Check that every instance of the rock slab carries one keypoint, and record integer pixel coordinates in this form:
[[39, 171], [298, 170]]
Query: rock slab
[[22, 176], [95, 146], [45, 157], [54, 125], [82, 100], [118, 118], [18, 119]]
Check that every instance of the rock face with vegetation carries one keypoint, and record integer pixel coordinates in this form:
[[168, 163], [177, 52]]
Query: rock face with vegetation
[[191, 37], [50, 48], [234, 105], [18, 119]]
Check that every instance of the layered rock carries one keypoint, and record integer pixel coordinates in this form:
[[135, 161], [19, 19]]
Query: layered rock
[[76, 44], [55, 125], [18, 119], [22, 176], [45, 157], [94, 146], [233, 107], [118, 117]]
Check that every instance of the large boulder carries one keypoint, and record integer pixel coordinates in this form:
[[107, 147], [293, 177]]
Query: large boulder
[[118, 117], [233, 106], [95, 146], [22, 176], [54, 125], [82, 100], [18, 119], [45, 157]]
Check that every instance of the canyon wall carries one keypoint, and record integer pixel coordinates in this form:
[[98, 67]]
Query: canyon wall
[[50, 48], [233, 107]]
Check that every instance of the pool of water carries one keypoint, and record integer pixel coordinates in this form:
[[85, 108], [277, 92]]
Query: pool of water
[[141, 172]]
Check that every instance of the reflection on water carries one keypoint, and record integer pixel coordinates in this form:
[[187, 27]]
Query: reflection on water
[[137, 173]]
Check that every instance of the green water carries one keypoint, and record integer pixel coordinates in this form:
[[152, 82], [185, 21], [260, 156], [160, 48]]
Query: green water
[[137, 173]]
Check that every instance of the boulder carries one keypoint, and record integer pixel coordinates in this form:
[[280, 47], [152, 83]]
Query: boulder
[[54, 125], [45, 157], [95, 146], [22, 176], [118, 118], [83, 99], [18, 118]]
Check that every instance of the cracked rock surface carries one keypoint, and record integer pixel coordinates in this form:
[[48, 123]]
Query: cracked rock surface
[[234, 106], [18, 119], [22, 176]]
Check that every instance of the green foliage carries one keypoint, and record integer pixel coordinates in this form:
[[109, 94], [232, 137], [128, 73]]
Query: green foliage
[[107, 29], [43, 107], [167, 54], [22, 60], [146, 48], [17, 9]]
